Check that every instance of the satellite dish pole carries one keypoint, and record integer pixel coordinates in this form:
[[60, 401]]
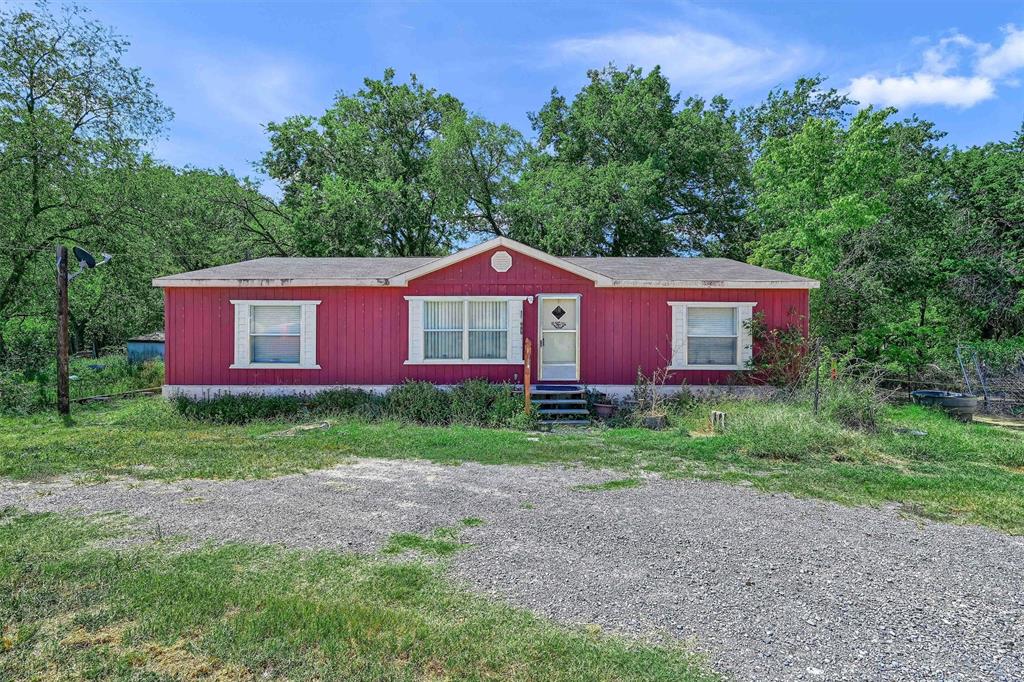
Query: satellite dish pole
[[63, 392], [85, 262]]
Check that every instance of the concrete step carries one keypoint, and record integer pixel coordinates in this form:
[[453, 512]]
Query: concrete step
[[550, 412], [559, 401], [564, 422]]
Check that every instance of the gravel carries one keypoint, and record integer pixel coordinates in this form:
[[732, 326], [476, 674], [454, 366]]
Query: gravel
[[772, 587]]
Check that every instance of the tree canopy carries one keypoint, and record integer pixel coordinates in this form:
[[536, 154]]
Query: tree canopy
[[918, 244]]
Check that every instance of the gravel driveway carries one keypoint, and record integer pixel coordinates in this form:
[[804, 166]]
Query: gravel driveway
[[772, 587]]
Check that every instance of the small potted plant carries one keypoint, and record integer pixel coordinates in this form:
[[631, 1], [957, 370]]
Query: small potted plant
[[604, 410]]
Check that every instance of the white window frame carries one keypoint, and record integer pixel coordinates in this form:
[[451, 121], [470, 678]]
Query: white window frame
[[417, 334], [243, 337], [680, 334]]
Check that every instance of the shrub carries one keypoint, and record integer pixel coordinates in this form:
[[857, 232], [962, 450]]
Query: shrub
[[17, 396], [345, 401], [472, 402], [507, 410], [240, 409], [420, 402]]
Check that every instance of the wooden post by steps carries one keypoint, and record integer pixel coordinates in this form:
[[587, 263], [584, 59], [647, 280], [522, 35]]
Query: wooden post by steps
[[63, 392], [527, 352]]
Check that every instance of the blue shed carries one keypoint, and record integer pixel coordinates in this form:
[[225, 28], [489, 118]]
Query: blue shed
[[146, 347]]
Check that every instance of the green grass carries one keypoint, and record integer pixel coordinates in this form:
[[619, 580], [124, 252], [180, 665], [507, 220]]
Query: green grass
[[616, 484], [442, 542], [71, 608], [960, 472]]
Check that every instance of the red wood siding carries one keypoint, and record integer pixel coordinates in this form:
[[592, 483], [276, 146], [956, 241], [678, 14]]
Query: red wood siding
[[362, 331]]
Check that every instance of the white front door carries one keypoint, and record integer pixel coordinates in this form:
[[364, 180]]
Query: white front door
[[559, 352]]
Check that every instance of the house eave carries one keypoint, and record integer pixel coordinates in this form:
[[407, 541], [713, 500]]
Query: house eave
[[710, 284]]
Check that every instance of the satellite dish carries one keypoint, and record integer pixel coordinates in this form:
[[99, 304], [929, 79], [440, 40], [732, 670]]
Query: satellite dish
[[84, 258]]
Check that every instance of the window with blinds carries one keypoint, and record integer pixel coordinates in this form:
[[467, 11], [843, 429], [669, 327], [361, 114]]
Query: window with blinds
[[275, 334], [465, 330], [711, 336]]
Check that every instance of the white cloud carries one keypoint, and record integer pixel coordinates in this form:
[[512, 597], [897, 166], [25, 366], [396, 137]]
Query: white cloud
[[1007, 58], [934, 84], [251, 92], [691, 58], [922, 88]]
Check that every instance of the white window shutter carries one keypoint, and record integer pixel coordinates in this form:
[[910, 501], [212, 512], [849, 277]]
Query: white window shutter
[[515, 330], [678, 335], [746, 312], [416, 331], [307, 350], [241, 334]]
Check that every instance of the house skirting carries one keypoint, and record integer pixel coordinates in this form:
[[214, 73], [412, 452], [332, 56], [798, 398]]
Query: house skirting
[[205, 392]]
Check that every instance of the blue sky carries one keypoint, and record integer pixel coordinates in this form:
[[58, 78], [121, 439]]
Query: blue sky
[[226, 68]]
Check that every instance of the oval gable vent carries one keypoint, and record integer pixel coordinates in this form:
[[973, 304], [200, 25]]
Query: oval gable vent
[[501, 261]]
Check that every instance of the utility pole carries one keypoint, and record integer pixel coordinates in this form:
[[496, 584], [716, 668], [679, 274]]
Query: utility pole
[[63, 397]]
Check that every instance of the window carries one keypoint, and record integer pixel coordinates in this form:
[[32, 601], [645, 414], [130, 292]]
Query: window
[[488, 330], [470, 330], [711, 335], [275, 334]]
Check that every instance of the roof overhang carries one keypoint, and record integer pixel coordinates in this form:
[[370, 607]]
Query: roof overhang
[[403, 279], [173, 282]]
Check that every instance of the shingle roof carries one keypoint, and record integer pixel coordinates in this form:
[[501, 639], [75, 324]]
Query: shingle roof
[[645, 269], [658, 272], [276, 270]]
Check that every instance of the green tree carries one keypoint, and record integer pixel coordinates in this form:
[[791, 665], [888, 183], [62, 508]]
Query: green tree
[[626, 169], [72, 118], [860, 208], [357, 180], [986, 194]]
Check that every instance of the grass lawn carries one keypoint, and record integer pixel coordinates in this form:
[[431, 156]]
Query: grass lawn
[[957, 472], [72, 608]]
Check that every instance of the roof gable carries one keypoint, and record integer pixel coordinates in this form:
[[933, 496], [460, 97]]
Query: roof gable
[[564, 264]]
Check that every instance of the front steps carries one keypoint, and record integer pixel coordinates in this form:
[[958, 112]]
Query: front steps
[[560, 404]]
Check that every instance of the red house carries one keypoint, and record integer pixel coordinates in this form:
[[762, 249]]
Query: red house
[[298, 325]]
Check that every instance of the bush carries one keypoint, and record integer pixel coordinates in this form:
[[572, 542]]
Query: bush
[[18, 396], [475, 403], [507, 410], [346, 401], [419, 402], [240, 409], [472, 402]]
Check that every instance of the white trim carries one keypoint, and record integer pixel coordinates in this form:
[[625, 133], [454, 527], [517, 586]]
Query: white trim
[[466, 298], [273, 301], [274, 365], [404, 278], [206, 391], [417, 342], [492, 361], [541, 332], [307, 334], [710, 284], [741, 311], [170, 282], [712, 304]]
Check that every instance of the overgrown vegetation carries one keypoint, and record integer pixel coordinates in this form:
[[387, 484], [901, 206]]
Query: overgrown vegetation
[[23, 392], [472, 403], [963, 472], [244, 612]]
